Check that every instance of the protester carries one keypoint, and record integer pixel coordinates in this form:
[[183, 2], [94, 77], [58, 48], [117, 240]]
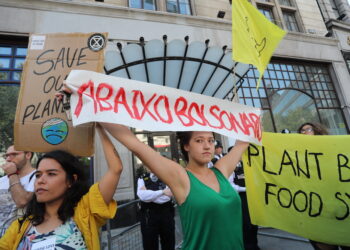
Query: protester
[[205, 197], [64, 213], [17, 187], [210, 209], [218, 154], [309, 128], [157, 213], [250, 231]]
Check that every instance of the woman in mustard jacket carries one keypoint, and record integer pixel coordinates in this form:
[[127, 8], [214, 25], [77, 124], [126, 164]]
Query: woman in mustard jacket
[[64, 213]]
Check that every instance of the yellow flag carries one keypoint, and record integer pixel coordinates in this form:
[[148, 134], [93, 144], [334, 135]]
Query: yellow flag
[[254, 37]]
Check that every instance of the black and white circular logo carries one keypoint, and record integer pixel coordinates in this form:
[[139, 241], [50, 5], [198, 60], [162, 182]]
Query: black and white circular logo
[[96, 42]]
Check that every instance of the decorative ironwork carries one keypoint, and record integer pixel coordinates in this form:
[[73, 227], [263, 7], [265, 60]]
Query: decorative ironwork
[[195, 67]]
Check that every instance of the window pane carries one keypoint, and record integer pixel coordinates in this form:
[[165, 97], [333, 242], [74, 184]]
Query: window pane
[[335, 8], [179, 6], [267, 13], [5, 63], [185, 7], [8, 102], [290, 20], [171, 6], [135, 4], [21, 51], [257, 103], [4, 76], [291, 108], [149, 5], [249, 102], [333, 120], [19, 63], [16, 76], [267, 121], [5, 51], [285, 2]]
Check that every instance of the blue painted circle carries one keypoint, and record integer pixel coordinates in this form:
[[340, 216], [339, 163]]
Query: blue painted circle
[[54, 131]]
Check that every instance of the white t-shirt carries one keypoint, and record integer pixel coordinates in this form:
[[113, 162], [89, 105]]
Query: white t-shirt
[[8, 209], [26, 181]]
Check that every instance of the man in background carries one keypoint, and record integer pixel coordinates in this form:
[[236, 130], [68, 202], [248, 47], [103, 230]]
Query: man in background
[[157, 213], [218, 154], [16, 187]]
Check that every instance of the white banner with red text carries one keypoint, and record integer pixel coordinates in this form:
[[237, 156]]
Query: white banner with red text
[[100, 98]]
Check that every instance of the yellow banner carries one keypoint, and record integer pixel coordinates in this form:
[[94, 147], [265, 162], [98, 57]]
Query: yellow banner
[[254, 37], [301, 184]]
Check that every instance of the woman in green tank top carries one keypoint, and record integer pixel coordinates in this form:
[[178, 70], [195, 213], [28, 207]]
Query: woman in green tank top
[[210, 209]]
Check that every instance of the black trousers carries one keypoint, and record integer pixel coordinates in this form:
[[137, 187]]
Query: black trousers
[[250, 231], [158, 223]]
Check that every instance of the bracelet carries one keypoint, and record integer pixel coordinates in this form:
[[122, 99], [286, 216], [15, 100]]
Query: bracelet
[[15, 173], [15, 183]]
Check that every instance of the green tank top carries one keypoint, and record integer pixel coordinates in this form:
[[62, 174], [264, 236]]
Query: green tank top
[[211, 220]]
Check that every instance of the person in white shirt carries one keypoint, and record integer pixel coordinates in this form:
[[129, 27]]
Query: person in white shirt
[[17, 187], [218, 154], [157, 213]]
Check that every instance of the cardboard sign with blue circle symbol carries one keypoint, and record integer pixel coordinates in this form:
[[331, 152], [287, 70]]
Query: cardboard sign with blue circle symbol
[[54, 131]]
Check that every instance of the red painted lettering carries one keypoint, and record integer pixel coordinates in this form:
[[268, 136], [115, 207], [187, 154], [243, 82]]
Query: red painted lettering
[[181, 112], [236, 124], [211, 110], [81, 91], [166, 107], [246, 123], [194, 106], [222, 113], [257, 126], [99, 99], [144, 105], [121, 95]]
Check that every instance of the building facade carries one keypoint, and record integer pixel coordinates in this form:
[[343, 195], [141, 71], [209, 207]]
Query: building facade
[[307, 79]]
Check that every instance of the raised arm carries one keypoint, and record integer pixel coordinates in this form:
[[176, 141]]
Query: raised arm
[[228, 163], [171, 173], [109, 182], [19, 195]]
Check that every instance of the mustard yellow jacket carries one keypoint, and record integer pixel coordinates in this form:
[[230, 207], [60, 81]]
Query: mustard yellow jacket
[[90, 214]]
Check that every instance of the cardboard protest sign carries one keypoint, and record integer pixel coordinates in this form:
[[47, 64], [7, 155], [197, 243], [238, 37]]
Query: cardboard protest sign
[[301, 184], [97, 97], [41, 124]]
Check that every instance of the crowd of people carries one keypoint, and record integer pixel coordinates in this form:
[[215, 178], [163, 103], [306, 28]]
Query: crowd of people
[[51, 206]]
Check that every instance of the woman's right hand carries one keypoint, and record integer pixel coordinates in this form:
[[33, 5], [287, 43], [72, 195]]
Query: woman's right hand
[[64, 91]]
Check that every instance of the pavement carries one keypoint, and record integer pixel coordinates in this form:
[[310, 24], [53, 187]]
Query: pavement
[[268, 239], [274, 239], [129, 238]]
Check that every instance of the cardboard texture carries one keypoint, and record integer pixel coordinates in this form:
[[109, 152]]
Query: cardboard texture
[[41, 124]]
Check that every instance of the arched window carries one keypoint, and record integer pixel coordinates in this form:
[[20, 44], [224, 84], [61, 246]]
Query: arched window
[[294, 89]]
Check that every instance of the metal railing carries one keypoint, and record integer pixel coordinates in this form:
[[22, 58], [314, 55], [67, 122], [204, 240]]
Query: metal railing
[[130, 238]]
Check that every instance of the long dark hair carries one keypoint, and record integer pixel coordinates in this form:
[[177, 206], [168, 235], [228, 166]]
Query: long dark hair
[[184, 139], [35, 210], [318, 128]]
